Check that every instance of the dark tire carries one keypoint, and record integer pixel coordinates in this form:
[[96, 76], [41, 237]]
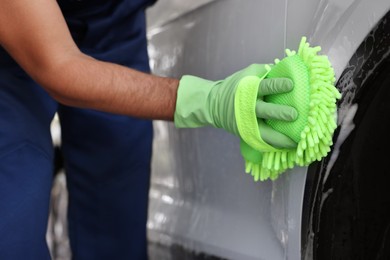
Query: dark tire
[[347, 200]]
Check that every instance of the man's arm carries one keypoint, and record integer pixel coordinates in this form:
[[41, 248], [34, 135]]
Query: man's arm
[[37, 37]]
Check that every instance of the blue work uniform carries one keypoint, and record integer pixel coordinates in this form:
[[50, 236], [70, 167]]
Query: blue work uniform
[[106, 156]]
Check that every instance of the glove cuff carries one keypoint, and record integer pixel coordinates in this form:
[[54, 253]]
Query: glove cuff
[[191, 102]]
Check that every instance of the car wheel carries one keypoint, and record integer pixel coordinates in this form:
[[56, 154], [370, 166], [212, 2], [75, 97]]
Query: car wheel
[[347, 197]]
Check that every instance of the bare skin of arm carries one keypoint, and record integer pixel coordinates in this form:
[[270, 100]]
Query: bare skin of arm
[[37, 37]]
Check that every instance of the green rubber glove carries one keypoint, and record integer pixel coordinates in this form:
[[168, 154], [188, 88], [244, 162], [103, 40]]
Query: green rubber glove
[[203, 102]]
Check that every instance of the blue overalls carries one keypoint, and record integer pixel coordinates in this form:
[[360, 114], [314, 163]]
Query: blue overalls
[[107, 157]]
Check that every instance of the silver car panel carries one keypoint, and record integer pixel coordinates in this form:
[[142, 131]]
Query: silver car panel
[[200, 197]]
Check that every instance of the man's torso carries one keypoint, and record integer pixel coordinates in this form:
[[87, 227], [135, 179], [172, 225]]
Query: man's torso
[[105, 29]]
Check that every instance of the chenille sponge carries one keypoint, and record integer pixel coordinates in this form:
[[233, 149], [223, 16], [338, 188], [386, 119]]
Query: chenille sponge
[[314, 96]]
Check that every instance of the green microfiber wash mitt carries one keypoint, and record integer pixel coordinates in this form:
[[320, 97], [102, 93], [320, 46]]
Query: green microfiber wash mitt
[[314, 96]]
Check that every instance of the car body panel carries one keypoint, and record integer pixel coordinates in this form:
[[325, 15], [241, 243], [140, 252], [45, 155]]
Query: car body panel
[[200, 197]]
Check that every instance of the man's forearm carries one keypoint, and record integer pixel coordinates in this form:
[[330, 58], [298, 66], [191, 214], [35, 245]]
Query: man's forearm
[[41, 43], [85, 82]]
